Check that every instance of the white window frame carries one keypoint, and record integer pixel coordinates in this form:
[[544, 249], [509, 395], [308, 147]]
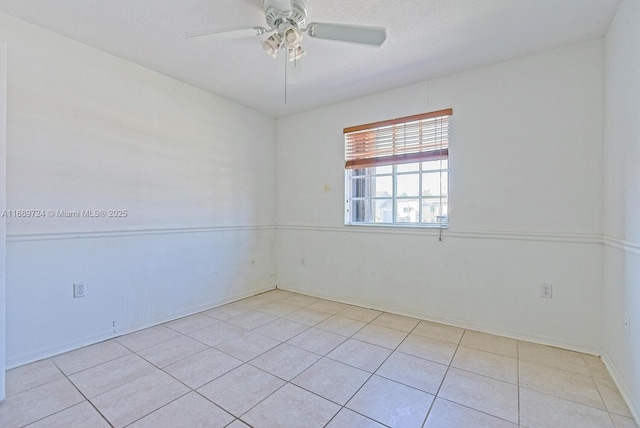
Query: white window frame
[[386, 165]]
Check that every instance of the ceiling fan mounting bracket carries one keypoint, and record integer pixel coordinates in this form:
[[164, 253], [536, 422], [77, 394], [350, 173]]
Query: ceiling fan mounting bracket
[[296, 14]]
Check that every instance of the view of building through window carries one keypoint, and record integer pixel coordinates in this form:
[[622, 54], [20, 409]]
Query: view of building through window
[[404, 193]]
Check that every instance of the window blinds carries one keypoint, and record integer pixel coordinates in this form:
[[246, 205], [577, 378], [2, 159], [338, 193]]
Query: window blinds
[[407, 139]]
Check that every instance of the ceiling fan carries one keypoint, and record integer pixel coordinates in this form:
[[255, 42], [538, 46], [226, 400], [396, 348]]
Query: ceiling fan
[[286, 20]]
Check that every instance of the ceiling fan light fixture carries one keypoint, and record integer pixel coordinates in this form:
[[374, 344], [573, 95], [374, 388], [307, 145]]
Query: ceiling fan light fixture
[[287, 21], [291, 35], [296, 53], [272, 44]]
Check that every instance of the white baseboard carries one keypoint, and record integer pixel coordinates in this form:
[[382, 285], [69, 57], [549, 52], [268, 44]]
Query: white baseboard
[[42, 354], [625, 391], [542, 340]]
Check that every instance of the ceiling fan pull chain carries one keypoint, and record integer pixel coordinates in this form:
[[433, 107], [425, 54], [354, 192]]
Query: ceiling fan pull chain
[[285, 79]]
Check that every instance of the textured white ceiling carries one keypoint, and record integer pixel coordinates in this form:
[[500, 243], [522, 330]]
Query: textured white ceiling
[[425, 39]]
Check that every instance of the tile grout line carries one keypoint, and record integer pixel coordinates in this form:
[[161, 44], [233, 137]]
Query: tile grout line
[[344, 406], [435, 397], [258, 368], [126, 383], [37, 386], [196, 390], [325, 356], [50, 359], [600, 393], [83, 396], [374, 372]]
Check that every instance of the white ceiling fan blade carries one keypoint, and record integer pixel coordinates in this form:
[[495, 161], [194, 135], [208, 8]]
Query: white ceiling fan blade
[[348, 33], [227, 34]]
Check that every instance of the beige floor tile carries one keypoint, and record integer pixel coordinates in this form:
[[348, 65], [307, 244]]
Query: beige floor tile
[[278, 309], [285, 361], [553, 357], [431, 349], [381, 336], [241, 389], [396, 322], [486, 385], [445, 414], [90, 356], [281, 329], [248, 346], [413, 371], [110, 375], [317, 341], [131, 401], [39, 402], [202, 367], [308, 317], [349, 419], [191, 323], [538, 410], [289, 406], [301, 300], [391, 403], [81, 415], [217, 333], [359, 313], [257, 301], [147, 337], [486, 363], [560, 383], [612, 398], [280, 294], [340, 325], [171, 351], [225, 312], [490, 343], [481, 393], [439, 331], [250, 320], [623, 422], [332, 380], [359, 354], [238, 424], [596, 367], [31, 375], [327, 306], [188, 411]]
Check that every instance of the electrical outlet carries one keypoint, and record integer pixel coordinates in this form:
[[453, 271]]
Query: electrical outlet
[[78, 290], [627, 324], [546, 291]]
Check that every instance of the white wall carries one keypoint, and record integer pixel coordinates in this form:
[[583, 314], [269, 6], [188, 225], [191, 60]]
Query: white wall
[[3, 146], [195, 172], [622, 201], [525, 204]]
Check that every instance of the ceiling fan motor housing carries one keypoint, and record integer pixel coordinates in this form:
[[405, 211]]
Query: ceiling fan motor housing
[[276, 15]]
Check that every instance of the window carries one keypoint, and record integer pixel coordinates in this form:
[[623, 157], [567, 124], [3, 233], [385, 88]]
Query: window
[[397, 171]]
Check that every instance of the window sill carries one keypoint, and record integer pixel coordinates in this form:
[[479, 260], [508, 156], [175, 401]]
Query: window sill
[[399, 225]]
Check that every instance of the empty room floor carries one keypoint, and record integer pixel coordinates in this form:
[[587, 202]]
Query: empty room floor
[[283, 359]]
